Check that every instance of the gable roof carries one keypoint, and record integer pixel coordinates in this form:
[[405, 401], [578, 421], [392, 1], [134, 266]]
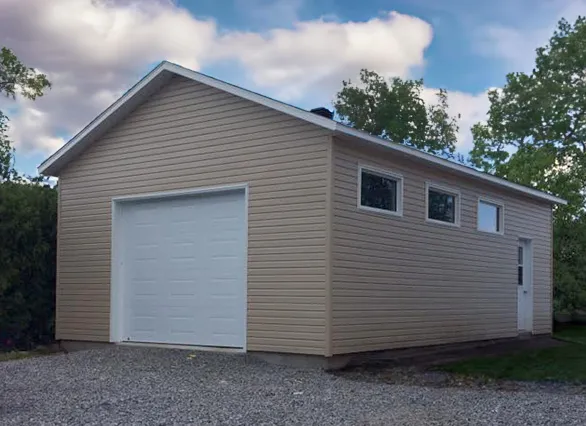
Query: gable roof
[[166, 70]]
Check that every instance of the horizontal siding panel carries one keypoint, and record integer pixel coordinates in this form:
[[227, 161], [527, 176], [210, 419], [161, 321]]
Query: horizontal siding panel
[[384, 334], [231, 155], [159, 187], [187, 136], [418, 273], [251, 134], [287, 243], [408, 341], [169, 173], [404, 282], [406, 321], [357, 249]]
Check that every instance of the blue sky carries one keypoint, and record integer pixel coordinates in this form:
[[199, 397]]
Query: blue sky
[[294, 50], [455, 43]]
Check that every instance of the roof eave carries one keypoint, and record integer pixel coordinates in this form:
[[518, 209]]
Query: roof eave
[[533, 193], [165, 70]]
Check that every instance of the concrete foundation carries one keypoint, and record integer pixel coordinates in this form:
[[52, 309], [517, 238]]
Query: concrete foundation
[[80, 345], [427, 355], [301, 361]]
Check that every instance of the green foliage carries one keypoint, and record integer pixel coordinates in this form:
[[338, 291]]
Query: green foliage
[[570, 270], [27, 262], [396, 111], [28, 217], [15, 78], [536, 135], [7, 171], [536, 128]]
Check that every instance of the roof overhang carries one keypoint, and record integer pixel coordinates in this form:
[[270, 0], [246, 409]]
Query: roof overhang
[[343, 130], [160, 75]]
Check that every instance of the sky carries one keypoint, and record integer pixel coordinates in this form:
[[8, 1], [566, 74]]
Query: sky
[[297, 51]]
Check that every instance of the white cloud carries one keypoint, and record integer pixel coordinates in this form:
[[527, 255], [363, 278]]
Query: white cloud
[[516, 44], [33, 121], [315, 56], [93, 58]]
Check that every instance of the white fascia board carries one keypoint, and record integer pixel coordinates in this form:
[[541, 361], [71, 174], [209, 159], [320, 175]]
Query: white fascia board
[[55, 159], [345, 130]]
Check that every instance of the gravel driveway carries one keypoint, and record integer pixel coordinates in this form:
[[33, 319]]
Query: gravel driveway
[[123, 385]]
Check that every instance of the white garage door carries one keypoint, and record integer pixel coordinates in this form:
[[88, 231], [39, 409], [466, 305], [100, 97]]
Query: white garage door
[[183, 270]]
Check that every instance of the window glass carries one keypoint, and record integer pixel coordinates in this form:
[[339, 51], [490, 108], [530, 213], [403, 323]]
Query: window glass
[[520, 275], [520, 255], [489, 217], [441, 206], [520, 267], [378, 191]]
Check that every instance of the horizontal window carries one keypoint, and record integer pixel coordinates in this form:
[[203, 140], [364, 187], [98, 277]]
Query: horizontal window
[[443, 205], [380, 191], [490, 216]]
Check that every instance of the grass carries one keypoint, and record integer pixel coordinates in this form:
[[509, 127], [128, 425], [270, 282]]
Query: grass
[[14, 355], [574, 334], [565, 363]]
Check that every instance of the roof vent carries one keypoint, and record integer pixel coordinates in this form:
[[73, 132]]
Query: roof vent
[[324, 112]]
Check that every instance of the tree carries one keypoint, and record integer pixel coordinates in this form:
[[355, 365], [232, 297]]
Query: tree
[[28, 217], [15, 78], [395, 110], [536, 135]]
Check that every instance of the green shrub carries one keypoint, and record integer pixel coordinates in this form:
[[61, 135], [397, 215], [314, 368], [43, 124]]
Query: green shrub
[[28, 219], [570, 265]]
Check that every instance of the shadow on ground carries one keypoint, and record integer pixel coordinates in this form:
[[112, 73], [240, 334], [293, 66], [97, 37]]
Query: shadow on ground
[[420, 366]]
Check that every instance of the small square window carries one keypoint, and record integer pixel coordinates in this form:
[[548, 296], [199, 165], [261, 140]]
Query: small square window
[[490, 217], [380, 191], [443, 205]]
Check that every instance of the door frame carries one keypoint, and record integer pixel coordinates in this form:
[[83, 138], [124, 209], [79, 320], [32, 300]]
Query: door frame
[[116, 258], [528, 285]]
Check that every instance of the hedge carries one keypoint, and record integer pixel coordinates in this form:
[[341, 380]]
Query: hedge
[[28, 230]]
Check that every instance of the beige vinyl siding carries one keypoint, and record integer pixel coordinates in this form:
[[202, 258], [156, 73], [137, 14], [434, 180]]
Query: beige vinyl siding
[[186, 136], [402, 281]]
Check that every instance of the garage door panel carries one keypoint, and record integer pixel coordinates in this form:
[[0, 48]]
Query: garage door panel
[[182, 288], [184, 270], [144, 288]]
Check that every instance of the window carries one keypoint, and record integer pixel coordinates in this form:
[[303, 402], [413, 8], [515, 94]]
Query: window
[[520, 267], [490, 217], [443, 205], [380, 191]]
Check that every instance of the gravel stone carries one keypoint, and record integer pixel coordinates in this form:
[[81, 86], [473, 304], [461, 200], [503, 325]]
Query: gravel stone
[[129, 385]]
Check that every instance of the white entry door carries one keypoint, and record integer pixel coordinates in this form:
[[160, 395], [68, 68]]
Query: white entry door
[[525, 287], [183, 270]]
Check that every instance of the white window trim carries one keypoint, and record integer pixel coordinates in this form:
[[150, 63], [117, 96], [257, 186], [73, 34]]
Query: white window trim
[[446, 190], [501, 219], [385, 173]]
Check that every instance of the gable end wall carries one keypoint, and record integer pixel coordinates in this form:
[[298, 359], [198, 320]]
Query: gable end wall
[[185, 136]]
